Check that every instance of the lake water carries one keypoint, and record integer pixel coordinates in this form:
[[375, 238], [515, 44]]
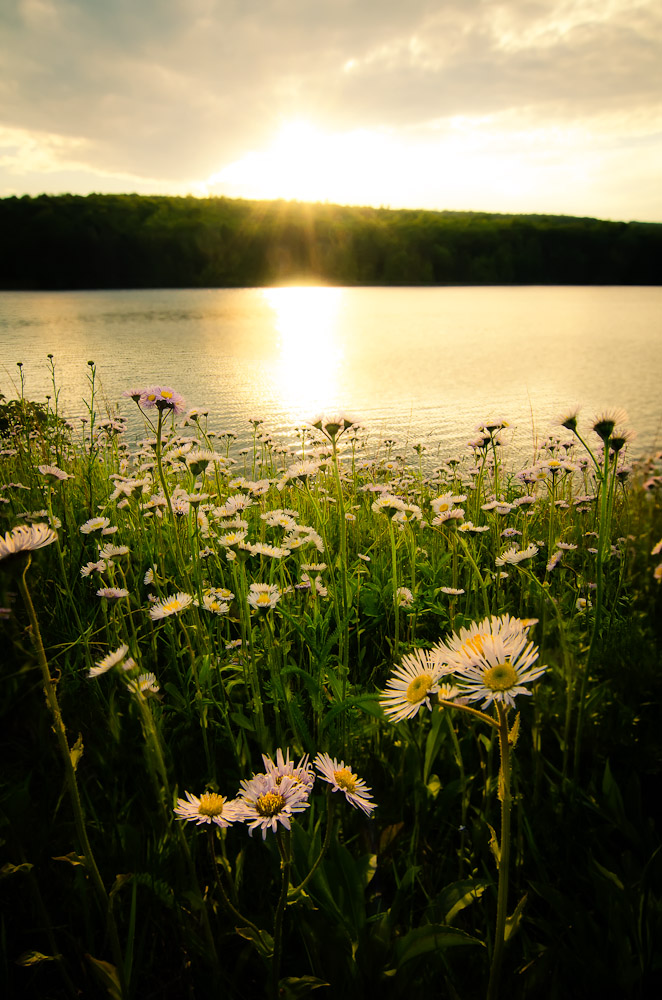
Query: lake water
[[414, 364]]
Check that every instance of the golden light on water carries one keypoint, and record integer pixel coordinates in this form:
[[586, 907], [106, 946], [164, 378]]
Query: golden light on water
[[306, 323]]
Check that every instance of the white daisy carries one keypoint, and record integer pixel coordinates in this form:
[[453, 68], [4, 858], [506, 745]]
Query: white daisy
[[109, 661], [209, 808], [265, 801], [410, 686], [170, 606], [94, 524], [500, 671], [341, 779], [26, 538]]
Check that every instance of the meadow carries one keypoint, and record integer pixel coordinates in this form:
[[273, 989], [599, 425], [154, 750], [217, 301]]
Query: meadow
[[339, 718]]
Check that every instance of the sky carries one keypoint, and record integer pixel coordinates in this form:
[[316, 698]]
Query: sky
[[471, 105]]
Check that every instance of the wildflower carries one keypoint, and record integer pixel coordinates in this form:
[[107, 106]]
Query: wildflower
[[209, 808], [263, 596], [657, 573], [363, 557], [568, 419], [284, 767], [93, 567], [112, 593], [582, 604], [449, 517], [404, 597], [452, 591], [108, 662], [266, 801], [170, 606], [26, 538], [211, 603], [555, 560], [470, 526], [606, 421], [497, 666], [655, 551], [388, 504], [163, 398], [333, 426], [53, 474], [514, 556], [341, 779], [410, 686], [144, 686], [109, 550]]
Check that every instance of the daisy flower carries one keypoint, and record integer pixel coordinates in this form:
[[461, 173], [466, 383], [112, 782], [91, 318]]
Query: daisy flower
[[54, 474], [209, 808], [108, 662], [144, 686], [466, 645], [606, 421], [284, 767], [112, 593], [341, 779], [170, 606], [26, 538], [163, 398], [410, 686], [404, 597], [513, 555], [266, 801], [500, 671], [263, 596], [94, 524]]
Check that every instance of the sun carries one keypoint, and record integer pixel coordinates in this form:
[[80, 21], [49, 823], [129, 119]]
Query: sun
[[304, 163]]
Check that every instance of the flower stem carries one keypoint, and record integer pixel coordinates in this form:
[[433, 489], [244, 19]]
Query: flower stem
[[504, 854], [284, 846]]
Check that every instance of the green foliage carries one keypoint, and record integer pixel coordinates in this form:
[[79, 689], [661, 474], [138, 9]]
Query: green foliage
[[132, 241], [401, 902]]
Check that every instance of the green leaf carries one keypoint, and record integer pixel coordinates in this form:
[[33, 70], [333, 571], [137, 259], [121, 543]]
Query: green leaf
[[293, 987], [513, 921], [72, 858], [611, 876], [458, 895], [431, 937], [34, 958], [76, 751], [106, 976], [10, 869], [263, 941], [242, 721], [367, 702]]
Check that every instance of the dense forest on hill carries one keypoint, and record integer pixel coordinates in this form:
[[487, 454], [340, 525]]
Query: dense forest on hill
[[132, 241]]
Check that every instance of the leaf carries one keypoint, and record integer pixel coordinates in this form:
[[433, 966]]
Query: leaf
[[293, 986], [458, 895], [263, 941], [106, 976], [120, 880], [76, 751], [433, 743], [34, 958], [388, 835], [513, 921], [367, 702], [434, 785], [494, 845], [611, 876], [431, 937], [72, 858], [10, 869], [242, 721]]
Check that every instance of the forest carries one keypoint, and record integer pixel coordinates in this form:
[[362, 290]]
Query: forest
[[134, 241]]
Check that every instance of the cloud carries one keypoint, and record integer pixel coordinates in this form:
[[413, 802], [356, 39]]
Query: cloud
[[174, 90]]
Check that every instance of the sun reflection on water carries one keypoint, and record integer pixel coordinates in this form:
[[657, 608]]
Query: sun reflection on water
[[307, 369]]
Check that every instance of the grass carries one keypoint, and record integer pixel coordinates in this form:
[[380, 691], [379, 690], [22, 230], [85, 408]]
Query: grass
[[262, 602]]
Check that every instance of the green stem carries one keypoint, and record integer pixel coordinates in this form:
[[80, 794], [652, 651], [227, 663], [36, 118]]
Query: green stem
[[330, 806], [284, 846], [504, 854], [70, 776]]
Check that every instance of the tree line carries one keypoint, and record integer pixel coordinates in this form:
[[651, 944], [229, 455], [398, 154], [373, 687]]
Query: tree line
[[135, 241]]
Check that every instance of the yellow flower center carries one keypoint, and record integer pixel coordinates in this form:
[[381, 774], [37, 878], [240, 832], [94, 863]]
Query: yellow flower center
[[474, 645], [501, 677], [418, 688], [166, 394], [269, 804], [211, 804], [345, 779]]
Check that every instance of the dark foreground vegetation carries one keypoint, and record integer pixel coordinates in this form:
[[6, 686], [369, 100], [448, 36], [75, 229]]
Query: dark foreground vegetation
[[130, 241], [171, 612]]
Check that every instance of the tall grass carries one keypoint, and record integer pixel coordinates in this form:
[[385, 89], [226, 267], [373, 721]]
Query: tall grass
[[199, 610]]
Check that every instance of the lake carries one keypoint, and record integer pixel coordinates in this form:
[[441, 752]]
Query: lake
[[415, 364]]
